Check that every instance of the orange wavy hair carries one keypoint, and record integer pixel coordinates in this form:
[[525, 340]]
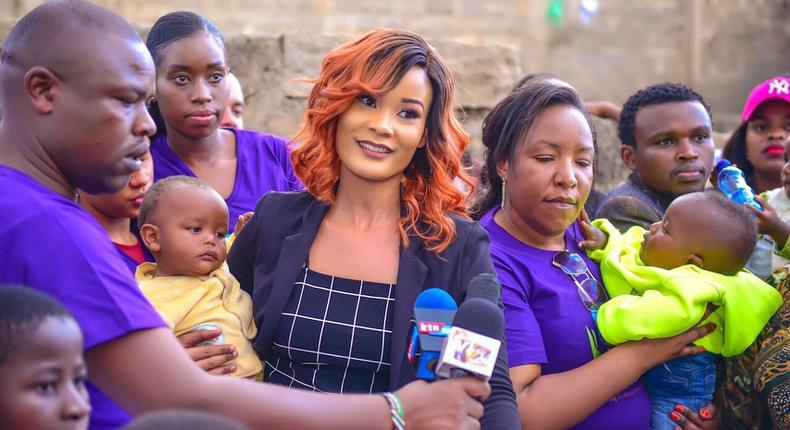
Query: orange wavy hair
[[374, 64]]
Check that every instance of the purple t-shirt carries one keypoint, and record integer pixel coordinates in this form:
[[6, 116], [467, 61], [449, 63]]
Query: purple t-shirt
[[546, 322], [263, 164], [51, 244]]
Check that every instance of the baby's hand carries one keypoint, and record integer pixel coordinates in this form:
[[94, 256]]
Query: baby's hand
[[241, 222], [593, 237], [768, 222]]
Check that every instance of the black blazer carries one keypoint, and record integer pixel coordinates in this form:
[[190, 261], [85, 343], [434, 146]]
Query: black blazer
[[272, 250]]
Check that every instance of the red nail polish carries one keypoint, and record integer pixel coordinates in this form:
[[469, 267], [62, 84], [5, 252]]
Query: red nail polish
[[675, 416], [705, 413], [701, 349], [678, 408]]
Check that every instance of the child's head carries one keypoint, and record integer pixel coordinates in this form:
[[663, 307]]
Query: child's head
[[178, 419], [756, 146], [183, 222], [42, 372], [666, 136], [705, 229], [191, 85]]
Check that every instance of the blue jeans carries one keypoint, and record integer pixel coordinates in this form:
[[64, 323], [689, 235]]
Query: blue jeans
[[689, 381]]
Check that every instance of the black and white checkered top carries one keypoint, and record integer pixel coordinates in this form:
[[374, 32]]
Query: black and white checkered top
[[334, 336]]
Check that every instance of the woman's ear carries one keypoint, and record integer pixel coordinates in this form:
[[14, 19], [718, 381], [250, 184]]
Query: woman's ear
[[502, 169], [150, 235], [696, 260]]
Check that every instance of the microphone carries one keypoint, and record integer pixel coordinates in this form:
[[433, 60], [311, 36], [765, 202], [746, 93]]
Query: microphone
[[434, 310], [485, 286], [472, 345]]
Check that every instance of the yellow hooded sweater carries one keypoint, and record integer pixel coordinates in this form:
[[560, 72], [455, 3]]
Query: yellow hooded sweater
[[650, 302], [186, 301]]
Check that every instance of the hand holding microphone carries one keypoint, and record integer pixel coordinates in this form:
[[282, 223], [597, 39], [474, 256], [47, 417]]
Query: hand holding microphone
[[479, 323]]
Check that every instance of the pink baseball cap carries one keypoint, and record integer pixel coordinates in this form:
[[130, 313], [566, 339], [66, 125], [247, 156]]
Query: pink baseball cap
[[774, 88]]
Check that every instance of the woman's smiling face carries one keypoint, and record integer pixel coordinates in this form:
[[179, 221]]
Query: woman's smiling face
[[377, 135]]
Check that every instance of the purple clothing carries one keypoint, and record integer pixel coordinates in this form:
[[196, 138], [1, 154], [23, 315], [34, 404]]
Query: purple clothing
[[263, 164], [51, 244], [546, 322]]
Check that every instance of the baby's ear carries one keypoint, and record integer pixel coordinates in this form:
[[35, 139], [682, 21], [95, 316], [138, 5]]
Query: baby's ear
[[696, 260], [150, 235]]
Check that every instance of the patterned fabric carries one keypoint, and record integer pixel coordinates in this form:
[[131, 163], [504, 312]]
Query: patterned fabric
[[772, 364], [632, 203], [334, 336], [755, 389]]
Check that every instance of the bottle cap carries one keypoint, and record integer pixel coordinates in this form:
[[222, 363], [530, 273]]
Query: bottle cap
[[722, 164]]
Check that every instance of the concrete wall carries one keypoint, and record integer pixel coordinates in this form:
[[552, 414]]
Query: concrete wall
[[720, 47]]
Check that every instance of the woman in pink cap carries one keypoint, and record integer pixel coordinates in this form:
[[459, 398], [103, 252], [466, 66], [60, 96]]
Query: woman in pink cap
[[757, 146]]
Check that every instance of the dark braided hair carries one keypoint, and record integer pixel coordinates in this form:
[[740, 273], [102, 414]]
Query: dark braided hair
[[667, 92]]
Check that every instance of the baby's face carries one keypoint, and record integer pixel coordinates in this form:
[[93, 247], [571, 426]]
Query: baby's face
[[192, 225], [669, 242], [42, 385]]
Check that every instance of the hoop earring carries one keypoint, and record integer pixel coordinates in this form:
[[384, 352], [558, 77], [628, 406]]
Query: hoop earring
[[504, 194]]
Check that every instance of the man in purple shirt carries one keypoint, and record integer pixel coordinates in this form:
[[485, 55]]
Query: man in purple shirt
[[75, 81]]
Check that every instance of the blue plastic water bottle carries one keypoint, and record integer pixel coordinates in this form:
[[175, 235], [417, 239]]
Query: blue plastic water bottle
[[733, 184]]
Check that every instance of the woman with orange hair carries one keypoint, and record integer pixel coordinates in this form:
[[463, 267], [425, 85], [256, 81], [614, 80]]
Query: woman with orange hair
[[334, 270]]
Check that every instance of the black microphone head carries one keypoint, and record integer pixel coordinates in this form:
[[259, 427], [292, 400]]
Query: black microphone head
[[480, 316], [485, 286]]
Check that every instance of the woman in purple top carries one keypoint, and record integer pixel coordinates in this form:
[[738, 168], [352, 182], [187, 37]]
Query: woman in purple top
[[541, 151], [191, 94]]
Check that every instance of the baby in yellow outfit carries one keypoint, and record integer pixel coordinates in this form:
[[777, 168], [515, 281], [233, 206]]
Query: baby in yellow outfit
[[183, 222]]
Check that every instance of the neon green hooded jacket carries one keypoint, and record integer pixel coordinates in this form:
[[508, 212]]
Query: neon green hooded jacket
[[650, 302]]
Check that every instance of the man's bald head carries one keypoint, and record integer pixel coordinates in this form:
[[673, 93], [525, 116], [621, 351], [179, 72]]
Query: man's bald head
[[75, 80], [57, 34]]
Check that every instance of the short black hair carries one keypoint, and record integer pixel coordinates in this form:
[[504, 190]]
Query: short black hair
[[734, 227], [171, 28], [159, 190], [22, 310], [667, 92]]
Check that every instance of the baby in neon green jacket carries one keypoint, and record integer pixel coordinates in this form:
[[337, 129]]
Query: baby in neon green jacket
[[663, 280]]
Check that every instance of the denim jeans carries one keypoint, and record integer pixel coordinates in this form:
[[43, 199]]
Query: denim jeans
[[689, 381]]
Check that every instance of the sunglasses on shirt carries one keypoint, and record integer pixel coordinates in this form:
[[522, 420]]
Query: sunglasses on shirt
[[590, 290]]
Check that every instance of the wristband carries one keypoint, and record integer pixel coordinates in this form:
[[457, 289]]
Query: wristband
[[397, 414]]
